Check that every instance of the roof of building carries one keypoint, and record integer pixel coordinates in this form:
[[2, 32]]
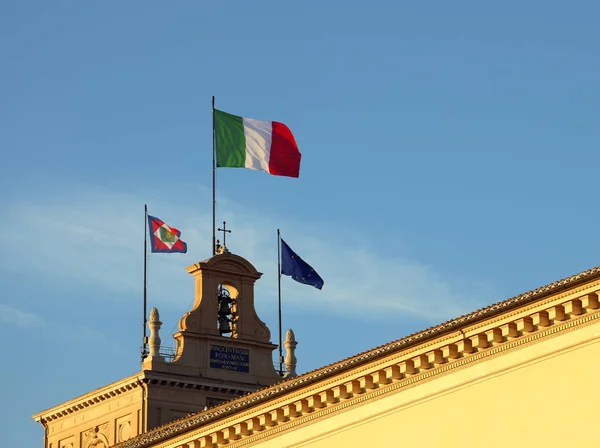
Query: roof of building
[[252, 399]]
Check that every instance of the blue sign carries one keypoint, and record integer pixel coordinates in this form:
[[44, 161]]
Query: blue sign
[[229, 358]]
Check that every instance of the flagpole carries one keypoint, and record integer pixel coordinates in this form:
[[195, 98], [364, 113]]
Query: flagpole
[[214, 180], [279, 295], [144, 339]]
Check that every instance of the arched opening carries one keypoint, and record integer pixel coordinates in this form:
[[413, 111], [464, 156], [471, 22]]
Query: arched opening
[[226, 316]]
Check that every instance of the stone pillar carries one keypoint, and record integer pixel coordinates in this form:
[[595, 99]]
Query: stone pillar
[[154, 342], [290, 356]]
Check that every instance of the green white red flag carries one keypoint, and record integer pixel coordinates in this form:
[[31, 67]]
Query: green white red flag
[[255, 144]]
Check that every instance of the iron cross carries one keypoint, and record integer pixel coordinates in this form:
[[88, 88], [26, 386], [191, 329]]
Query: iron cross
[[225, 232]]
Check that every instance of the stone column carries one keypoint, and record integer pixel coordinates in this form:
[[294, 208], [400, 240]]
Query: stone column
[[290, 356], [154, 342]]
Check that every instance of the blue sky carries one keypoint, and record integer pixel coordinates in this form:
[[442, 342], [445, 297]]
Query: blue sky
[[449, 162]]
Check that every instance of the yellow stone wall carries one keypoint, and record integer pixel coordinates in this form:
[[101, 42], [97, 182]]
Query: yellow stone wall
[[544, 393], [505, 376], [167, 403], [113, 420], [113, 415]]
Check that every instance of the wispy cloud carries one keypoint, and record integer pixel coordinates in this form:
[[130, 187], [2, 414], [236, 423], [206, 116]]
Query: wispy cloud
[[37, 324], [92, 236], [22, 319]]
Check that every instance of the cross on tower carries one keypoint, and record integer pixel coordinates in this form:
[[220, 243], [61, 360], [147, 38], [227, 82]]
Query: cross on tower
[[225, 232]]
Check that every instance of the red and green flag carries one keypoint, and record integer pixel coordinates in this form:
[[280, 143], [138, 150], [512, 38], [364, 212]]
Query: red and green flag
[[164, 238], [255, 144]]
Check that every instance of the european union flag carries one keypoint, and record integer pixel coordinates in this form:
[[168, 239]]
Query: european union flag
[[297, 268]]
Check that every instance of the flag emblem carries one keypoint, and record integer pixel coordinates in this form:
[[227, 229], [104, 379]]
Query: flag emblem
[[164, 238], [166, 235]]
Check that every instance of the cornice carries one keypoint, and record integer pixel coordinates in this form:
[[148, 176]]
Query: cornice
[[199, 383], [579, 288], [220, 340], [90, 399], [409, 370], [226, 264], [131, 382]]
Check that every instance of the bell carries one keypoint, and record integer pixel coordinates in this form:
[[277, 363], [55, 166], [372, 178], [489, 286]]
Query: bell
[[224, 325], [224, 307]]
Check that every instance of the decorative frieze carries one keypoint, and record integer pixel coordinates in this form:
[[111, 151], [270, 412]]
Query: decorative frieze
[[479, 341], [353, 388], [494, 336], [381, 378], [524, 325], [265, 420], [557, 313], [393, 373], [421, 362], [541, 319], [435, 357], [407, 367], [573, 307], [327, 397], [290, 411], [590, 301], [241, 429], [509, 330], [314, 402], [465, 347]]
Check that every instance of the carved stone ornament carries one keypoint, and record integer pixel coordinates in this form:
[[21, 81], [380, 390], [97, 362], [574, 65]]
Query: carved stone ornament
[[154, 316], [124, 432], [96, 437]]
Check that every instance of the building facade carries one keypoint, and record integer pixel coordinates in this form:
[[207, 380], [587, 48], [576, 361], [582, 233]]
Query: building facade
[[522, 372]]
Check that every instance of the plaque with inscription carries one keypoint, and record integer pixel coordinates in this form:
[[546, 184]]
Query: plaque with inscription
[[229, 358]]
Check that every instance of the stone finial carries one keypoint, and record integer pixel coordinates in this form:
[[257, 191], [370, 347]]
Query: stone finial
[[154, 316], [290, 356], [290, 336], [154, 342]]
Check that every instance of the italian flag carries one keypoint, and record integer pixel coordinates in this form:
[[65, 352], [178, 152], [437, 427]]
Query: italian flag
[[259, 145]]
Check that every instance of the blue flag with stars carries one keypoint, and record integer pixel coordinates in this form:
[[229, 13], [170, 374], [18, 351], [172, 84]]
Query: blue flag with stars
[[297, 268]]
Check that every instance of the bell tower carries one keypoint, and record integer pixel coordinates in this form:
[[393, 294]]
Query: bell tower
[[223, 351], [222, 338]]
